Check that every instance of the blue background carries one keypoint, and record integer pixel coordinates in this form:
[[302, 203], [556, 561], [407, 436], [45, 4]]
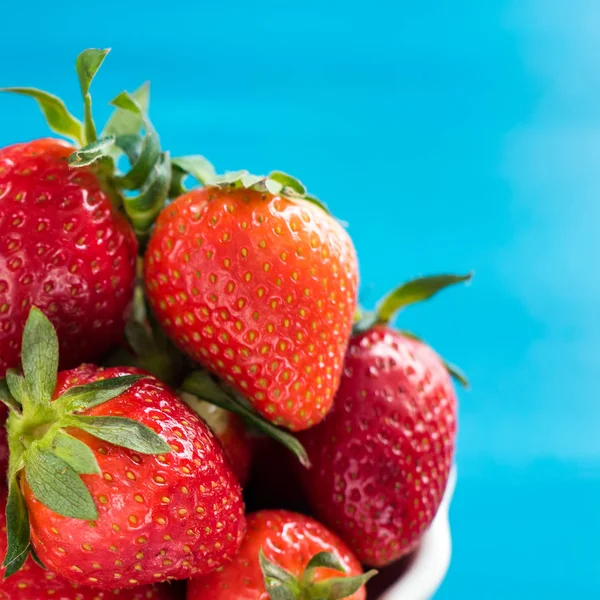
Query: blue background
[[451, 136]]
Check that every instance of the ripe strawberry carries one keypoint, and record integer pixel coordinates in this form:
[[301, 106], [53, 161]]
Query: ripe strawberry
[[285, 550], [34, 583], [122, 483], [233, 434], [65, 245], [382, 457], [258, 283], [62, 248]]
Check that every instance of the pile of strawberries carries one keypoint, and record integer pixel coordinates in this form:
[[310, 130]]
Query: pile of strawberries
[[184, 366]]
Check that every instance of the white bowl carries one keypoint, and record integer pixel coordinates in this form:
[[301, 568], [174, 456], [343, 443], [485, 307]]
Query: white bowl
[[429, 564]]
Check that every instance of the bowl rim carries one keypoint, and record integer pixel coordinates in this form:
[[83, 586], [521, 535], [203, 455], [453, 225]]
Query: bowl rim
[[432, 559]]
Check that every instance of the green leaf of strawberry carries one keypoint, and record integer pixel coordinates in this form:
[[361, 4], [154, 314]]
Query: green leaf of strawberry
[[16, 385], [87, 65], [75, 453], [125, 122], [39, 357], [82, 397], [122, 432], [415, 291], [276, 183], [197, 166], [282, 585], [57, 485], [92, 152], [150, 151], [7, 398], [327, 560], [143, 208], [287, 181], [340, 587], [457, 374], [59, 119], [17, 530]]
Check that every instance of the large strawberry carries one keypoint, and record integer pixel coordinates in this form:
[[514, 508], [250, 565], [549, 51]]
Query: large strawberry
[[257, 282], [382, 457], [34, 583], [115, 481], [65, 244], [289, 556]]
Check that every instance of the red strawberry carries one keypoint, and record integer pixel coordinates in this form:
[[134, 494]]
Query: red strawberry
[[124, 485], [382, 457], [62, 248], [33, 583], [65, 245], [232, 433], [285, 550], [260, 286]]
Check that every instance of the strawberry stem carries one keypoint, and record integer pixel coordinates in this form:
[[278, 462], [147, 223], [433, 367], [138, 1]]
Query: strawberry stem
[[87, 65]]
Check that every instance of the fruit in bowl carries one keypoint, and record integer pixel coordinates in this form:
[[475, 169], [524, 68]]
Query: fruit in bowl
[[197, 407]]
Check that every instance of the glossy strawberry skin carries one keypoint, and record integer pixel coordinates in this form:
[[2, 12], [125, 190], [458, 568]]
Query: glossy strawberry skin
[[160, 517], [382, 457], [288, 539], [260, 289], [34, 583], [63, 249]]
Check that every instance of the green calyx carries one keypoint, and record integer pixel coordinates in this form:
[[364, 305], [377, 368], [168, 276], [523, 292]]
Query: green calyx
[[128, 133], [276, 183], [412, 292], [43, 450], [200, 385], [282, 585]]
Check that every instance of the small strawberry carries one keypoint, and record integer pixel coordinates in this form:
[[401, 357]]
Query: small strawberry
[[34, 583], [115, 481], [382, 457], [254, 280], [65, 244], [233, 434], [289, 556]]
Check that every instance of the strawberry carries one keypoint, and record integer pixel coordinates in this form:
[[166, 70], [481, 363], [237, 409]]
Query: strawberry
[[231, 431], [114, 479], [62, 248], [34, 583], [285, 555], [382, 457], [258, 283], [65, 244]]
